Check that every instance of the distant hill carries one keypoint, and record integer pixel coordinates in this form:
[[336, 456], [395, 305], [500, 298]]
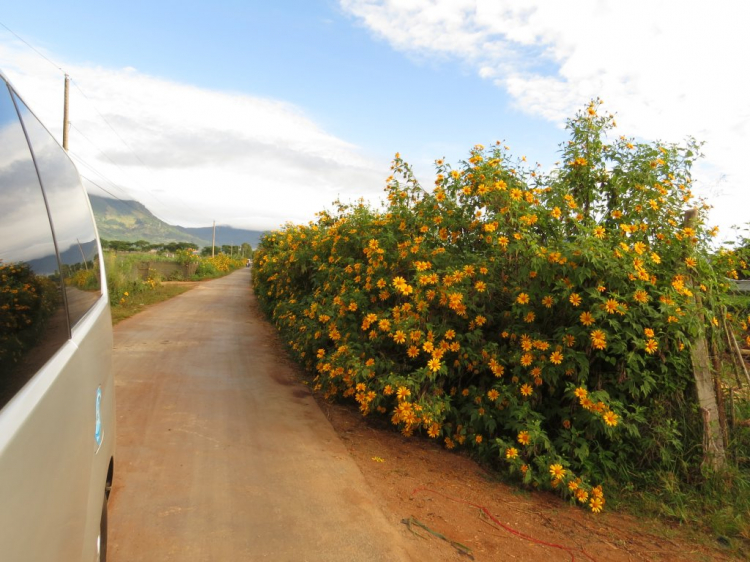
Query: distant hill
[[131, 221]]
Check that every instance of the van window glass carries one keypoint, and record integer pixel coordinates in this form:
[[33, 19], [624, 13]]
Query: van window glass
[[32, 316], [71, 217]]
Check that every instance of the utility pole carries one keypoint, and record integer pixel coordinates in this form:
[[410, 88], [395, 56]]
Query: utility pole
[[66, 123], [213, 240]]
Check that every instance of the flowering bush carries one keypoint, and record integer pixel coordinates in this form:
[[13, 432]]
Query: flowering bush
[[27, 301], [542, 320]]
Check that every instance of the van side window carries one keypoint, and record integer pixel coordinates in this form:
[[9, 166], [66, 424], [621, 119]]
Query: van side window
[[71, 219], [33, 325]]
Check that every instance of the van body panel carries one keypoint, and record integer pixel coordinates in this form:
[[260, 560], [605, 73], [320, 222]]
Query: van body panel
[[57, 417]]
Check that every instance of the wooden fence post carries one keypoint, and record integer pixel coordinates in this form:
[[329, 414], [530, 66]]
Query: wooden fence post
[[714, 451]]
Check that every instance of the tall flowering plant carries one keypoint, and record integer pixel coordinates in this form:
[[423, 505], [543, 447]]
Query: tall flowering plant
[[541, 319]]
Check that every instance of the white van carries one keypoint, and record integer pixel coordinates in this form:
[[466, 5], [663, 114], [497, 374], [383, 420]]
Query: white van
[[57, 418]]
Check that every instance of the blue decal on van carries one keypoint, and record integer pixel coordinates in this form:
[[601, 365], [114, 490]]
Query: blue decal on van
[[98, 427]]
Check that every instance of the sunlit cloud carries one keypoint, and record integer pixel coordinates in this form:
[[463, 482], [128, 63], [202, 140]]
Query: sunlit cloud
[[668, 71], [194, 155]]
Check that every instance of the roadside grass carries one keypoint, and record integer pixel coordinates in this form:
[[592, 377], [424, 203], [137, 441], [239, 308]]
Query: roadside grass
[[130, 293], [139, 301]]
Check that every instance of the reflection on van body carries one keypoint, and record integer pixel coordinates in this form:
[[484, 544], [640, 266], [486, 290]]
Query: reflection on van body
[[56, 382]]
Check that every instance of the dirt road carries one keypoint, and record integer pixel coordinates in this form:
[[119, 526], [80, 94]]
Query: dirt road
[[220, 454]]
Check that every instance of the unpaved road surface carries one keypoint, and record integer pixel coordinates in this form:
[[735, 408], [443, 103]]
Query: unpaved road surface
[[221, 455]]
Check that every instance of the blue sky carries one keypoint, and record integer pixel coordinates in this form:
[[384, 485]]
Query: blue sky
[[255, 113]]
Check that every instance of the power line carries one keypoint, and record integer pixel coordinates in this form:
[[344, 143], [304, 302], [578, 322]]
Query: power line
[[92, 143], [111, 127], [88, 99], [100, 174], [32, 48], [108, 123], [108, 192]]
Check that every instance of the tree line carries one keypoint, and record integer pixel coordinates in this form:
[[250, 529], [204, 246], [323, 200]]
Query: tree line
[[243, 250]]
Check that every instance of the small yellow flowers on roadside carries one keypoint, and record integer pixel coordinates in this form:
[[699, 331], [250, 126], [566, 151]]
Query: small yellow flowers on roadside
[[526, 390], [610, 418], [557, 472], [641, 296], [597, 504], [522, 298], [434, 365], [575, 299], [598, 339], [524, 438], [511, 453], [556, 357], [586, 319], [611, 306], [651, 346]]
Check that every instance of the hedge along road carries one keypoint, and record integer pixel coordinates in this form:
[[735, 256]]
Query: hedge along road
[[221, 455]]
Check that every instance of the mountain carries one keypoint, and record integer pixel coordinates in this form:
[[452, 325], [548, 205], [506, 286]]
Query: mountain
[[131, 221], [225, 235]]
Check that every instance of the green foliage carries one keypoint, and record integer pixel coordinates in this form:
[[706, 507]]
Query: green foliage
[[27, 300], [542, 320]]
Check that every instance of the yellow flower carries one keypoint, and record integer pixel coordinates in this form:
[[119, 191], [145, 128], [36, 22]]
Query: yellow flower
[[434, 365], [548, 301], [412, 351], [522, 298], [641, 296], [402, 393], [597, 504], [556, 471], [598, 339], [610, 418], [651, 346], [511, 453], [575, 299], [587, 319], [399, 337], [556, 357], [524, 438], [611, 306], [526, 390], [648, 332]]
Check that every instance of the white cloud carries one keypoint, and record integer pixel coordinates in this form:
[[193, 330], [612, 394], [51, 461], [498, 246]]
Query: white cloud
[[194, 155], [668, 70]]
